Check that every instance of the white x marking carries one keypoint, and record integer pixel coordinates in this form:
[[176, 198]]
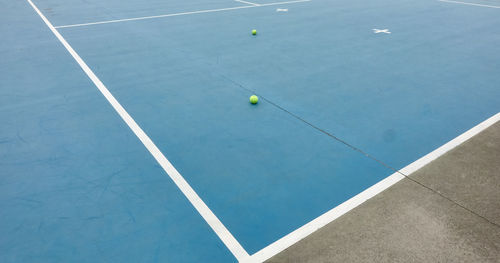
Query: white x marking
[[376, 31]]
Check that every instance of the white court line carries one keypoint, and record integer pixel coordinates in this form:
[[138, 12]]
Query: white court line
[[245, 2], [182, 14], [358, 199], [465, 3], [227, 238], [409, 169]]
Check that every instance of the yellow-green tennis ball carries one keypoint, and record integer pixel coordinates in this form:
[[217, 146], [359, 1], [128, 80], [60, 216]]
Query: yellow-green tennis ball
[[254, 99], [254, 32]]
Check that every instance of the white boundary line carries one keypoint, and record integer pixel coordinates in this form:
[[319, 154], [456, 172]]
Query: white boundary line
[[249, 3], [411, 168], [181, 14], [227, 238], [358, 199], [465, 3]]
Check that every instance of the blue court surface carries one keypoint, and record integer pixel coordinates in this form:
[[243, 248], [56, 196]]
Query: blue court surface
[[153, 152]]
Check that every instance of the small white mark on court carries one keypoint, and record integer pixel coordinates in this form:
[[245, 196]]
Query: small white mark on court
[[282, 10], [378, 31]]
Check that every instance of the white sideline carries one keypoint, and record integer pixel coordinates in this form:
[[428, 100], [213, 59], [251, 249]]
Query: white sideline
[[227, 238], [181, 14], [358, 199], [465, 3]]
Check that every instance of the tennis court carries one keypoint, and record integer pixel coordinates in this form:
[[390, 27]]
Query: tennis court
[[127, 133]]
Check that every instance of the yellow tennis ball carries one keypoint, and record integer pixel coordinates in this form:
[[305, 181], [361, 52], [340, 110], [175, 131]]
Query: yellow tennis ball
[[254, 99], [254, 32]]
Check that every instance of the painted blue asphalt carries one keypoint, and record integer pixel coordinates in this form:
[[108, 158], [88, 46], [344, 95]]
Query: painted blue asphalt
[[396, 96], [75, 183], [262, 172], [77, 11], [185, 81]]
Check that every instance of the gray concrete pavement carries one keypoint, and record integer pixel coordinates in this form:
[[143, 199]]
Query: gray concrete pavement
[[470, 174], [457, 222]]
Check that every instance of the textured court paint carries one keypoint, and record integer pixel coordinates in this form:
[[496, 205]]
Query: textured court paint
[[75, 184], [169, 169], [395, 96], [320, 61], [300, 175], [255, 166], [177, 65]]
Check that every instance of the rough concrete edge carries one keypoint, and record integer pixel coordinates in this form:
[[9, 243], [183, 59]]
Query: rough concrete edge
[[326, 218]]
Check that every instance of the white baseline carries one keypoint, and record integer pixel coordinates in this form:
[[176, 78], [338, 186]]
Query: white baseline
[[360, 198], [466, 3], [245, 2], [227, 238], [181, 14]]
